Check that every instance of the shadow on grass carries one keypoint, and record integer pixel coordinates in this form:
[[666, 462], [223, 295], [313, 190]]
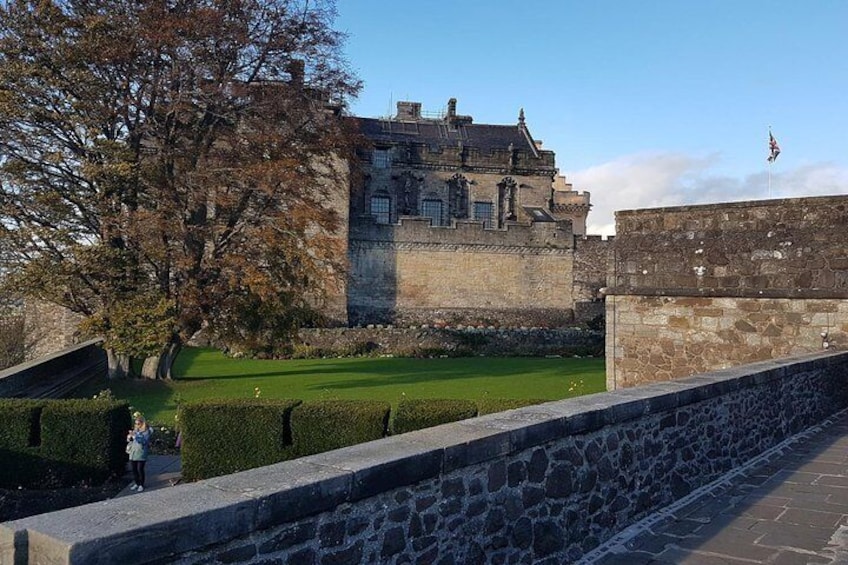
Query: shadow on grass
[[380, 374], [193, 361]]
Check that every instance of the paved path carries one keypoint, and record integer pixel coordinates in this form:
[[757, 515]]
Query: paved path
[[788, 507], [161, 471]]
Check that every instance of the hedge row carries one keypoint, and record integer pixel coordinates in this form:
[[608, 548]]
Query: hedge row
[[226, 436], [55, 443]]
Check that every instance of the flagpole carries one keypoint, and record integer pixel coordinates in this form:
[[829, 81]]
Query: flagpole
[[769, 179], [770, 161]]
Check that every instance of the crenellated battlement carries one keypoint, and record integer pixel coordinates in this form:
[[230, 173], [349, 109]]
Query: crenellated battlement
[[549, 235], [572, 197]]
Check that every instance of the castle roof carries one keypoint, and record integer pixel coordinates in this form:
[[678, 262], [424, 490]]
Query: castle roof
[[408, 126], [431, 132]]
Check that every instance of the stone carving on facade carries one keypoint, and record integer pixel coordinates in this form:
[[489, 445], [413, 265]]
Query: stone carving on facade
[[506, 200], [407, 189], [458, 197]]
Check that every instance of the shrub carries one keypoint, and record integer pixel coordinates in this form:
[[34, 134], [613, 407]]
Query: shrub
[[323, 425], [20, 436], [417, 414], [50, 443], [492, 405], [85, 438], [225, 436], [304, 351]]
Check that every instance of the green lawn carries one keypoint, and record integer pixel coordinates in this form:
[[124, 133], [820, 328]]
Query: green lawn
[[206, 373]]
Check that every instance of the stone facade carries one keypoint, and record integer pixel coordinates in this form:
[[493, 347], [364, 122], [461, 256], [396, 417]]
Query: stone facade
[[49, 328], [461, 222], [411, 273], [696, 288], [544, 484]]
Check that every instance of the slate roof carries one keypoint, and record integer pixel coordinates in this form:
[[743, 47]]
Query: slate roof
[[436, 132]]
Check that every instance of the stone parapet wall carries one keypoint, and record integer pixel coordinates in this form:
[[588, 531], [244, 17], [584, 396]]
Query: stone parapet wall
[[793, 246], [658, 338], [593, 257], [696, 288], [467, 235], [542, 484]]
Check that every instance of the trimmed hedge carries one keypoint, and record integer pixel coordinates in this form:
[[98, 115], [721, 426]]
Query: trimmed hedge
[[226, 436], [53, 443], [492, 405], [323, 425], [420, 413], [229, 435]]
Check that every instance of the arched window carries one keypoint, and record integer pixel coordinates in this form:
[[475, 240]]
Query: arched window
[[381, 206], [432, 209]]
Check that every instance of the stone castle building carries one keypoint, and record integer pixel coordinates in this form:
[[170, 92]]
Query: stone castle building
[[453, 222], [458, 222]]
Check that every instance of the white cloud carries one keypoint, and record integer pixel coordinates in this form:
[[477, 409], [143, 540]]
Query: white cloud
[[651, 180]]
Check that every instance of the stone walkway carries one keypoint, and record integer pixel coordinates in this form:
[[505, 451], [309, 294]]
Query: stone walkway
[[160, 471], [789, 506]]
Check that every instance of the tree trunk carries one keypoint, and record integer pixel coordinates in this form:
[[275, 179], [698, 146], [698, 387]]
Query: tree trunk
[[159, 366], [117, 364]]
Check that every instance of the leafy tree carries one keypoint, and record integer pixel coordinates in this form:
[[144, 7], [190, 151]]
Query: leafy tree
[[165, 163]]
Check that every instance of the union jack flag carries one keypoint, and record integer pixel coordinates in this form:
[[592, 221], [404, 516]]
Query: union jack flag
[[774, 149]]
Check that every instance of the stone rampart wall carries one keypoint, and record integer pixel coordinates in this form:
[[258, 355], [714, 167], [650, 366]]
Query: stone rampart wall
[[696, 288], [415, 274], [542, 484], [593, 257]]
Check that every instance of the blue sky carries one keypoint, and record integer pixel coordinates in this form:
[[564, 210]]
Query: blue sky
[[651, 103]]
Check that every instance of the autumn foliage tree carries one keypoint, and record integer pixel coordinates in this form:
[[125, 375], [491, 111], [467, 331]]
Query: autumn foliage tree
[[168, 165]]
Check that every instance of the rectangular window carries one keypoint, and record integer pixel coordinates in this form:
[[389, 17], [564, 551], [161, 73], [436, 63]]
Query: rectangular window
[[432, 209], [483, 211], [381, 209], [382, 159]]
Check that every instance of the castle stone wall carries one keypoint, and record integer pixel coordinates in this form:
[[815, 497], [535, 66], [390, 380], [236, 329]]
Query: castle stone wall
[[412, 273], [592, 262], [49, 328], [696, 288]]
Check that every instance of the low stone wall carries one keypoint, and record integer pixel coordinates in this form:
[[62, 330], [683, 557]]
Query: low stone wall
[[59, 371], [456, 340], [542, 484], [658, 338]]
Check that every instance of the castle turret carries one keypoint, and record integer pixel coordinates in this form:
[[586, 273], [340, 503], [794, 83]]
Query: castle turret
[[570, 204]]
